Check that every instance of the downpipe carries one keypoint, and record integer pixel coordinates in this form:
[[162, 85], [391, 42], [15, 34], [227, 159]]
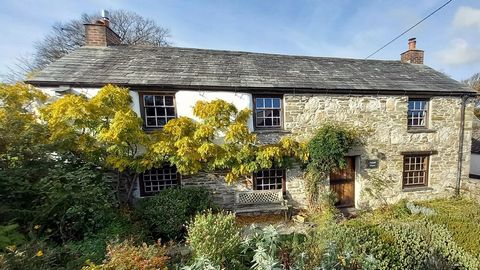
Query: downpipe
[[460, 144]]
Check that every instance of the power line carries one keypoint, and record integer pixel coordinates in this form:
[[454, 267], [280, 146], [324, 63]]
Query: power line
[[404, 32]]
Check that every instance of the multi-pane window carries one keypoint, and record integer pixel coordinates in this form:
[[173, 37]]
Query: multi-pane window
[[157, 179], [269, 179], [415, 170], [158, 110], [417, 113], [268, 112]]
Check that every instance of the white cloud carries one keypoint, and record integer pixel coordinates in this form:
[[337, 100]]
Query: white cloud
[[467, 17], [459, 52]]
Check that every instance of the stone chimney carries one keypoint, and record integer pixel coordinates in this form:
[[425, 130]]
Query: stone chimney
[[413, 55], [99, 34]]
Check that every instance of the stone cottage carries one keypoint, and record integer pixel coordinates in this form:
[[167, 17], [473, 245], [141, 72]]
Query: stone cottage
[[420, 120]]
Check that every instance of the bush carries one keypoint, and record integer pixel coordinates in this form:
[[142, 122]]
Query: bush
[[74, 201], [33, 255], [167, 212], [215, 237], [462, 219], [93, 246], [418, 244], [9, 236], [127, 256]]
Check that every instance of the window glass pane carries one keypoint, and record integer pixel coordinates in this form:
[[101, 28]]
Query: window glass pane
[[170, 111], [159, 101], [151, 121], [150, 111], [260, 122], [148, 100], [160, 111], [168, 101], [276, 113], [161, 121], [276, 102], [268, 102], [276, 121], [268, 122]]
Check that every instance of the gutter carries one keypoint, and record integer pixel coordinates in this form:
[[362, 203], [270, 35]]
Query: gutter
[[460, 145]]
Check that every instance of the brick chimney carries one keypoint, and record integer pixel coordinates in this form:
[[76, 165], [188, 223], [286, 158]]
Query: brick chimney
[[99, 34], [413, 55]]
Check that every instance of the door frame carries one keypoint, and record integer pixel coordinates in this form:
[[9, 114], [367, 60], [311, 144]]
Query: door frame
[[356, 190]]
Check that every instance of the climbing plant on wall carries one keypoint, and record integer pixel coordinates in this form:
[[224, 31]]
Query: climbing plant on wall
[[327, 150], [220, 140], [106, 131]]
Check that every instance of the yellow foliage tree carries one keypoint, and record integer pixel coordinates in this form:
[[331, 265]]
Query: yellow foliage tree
[[107, 131], [219, 141], [21, 134], [103, 130]]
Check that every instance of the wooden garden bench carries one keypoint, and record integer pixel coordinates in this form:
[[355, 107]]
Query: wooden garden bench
[[253, 201]]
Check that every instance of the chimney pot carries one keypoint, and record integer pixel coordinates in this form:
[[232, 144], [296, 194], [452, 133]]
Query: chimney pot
[[412, 55]]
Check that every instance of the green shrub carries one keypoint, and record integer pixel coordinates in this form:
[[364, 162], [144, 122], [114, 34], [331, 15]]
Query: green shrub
[[128, 256], [215, 237], [9, 236], [264, 246], [462, 218], [33, 255], [417, 244], [168, 212], [74, 200], [93, 245]]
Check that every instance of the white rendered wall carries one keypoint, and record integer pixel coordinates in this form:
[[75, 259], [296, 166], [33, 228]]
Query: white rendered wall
[[88, 92], [185, 100], [475, 164]]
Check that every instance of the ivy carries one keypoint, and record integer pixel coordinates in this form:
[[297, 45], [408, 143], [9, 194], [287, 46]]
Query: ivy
[[327, 150]]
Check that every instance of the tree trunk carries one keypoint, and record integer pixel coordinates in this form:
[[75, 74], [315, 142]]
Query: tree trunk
[[130, 188]]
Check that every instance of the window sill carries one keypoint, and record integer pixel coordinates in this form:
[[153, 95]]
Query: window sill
[[263, 131], [421, 130], [416, 189], [151, 130]]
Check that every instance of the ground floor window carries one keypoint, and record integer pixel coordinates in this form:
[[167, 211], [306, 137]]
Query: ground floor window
[[269, 179], [157, 179], [415, 170]]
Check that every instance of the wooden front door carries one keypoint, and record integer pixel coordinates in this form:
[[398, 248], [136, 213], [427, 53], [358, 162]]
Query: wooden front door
[[343, 184]]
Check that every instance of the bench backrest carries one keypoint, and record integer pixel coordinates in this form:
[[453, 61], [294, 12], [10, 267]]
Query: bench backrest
[[258, 197]]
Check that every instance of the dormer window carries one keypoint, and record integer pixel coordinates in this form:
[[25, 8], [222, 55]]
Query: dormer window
[[157, 109]]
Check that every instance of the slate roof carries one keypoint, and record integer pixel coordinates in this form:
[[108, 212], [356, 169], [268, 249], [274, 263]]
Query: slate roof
[[171, 66]]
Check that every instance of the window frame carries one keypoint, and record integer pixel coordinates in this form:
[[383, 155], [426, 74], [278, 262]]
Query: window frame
[[284, 178], [141, 96], [427, 112], [141, 184], [280, 127], [426, 170]]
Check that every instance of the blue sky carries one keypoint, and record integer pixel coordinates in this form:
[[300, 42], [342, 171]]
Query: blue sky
[[339, 28]]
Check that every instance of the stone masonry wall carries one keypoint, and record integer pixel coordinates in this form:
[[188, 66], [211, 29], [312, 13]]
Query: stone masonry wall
[[385, 119], [224, 194]]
